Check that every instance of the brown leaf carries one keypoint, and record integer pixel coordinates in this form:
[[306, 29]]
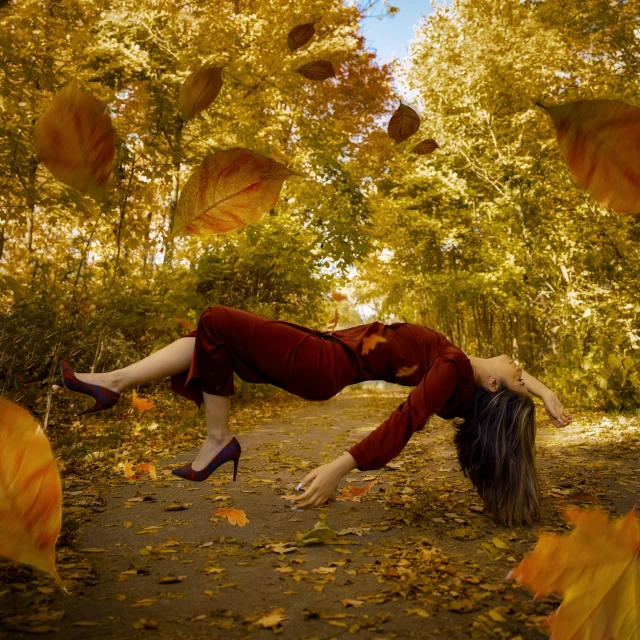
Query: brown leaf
[[74, 139], [300, 35], [228, 191], [317, 70], [348, 602], [338, 296], [425, 147], [171, 579], [141, 404], [199, 90], [403, 124]]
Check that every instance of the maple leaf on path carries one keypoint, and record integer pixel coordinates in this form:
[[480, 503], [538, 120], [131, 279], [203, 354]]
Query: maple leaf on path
[[597, 568], [352, 491], [234, 516], [141, 404], [271, 620]]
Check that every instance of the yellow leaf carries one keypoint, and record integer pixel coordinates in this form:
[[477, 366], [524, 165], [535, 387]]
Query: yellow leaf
[[597, 568], [228, 191], [271, 620], [419, 612], [406, 371], [148, 467], [30, 491], [199, 90], [234, 516], [74, 139], [498, 543], [369, 343]]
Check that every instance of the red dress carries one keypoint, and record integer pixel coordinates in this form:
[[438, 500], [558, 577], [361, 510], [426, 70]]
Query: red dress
[[316, 365]]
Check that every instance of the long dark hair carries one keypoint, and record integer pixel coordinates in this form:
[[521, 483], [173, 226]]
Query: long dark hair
[[495, 447]]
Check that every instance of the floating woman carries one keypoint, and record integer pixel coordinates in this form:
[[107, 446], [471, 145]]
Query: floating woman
[[494, 433]]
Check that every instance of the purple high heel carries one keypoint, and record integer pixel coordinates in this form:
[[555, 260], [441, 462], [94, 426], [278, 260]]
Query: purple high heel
[[230, 452], [105, 398]]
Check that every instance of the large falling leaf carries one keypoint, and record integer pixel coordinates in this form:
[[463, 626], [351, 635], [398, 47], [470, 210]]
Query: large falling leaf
[[300, 35], [140, 403], [74, 139], [234, 516], [597, 568], [600, 140], [30, 491], [403, 123], [317, 70], [228, 191], [338, 296], [199, 90], [369, 343]]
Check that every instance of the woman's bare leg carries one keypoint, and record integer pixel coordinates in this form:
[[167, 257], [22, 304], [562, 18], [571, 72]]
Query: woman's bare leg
[[170, 360], [173, 359], [218, 434]]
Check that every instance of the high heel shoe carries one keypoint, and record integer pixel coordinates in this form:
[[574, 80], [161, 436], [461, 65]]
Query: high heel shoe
[[105, 398], [230, 452]]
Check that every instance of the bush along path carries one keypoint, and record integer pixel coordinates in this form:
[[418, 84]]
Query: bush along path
[[404, 551]]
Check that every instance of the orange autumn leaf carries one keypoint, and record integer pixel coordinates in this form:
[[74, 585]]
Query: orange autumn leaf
[[338, 296], [199, 90], [148, 467], [30, 491], [300, 35], [600, 140], [234, 516], [351, 491], [186, 324], [141, 404], [333, 322], [317, 70], [369, 343], [425, 147], [74, 139], [228, 191], [406, 371], [403, 123], [597, 569]]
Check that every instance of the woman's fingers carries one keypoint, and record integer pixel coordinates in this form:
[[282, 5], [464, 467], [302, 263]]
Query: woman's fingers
[[310, 476]]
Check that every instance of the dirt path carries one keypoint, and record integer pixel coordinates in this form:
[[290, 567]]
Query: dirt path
[[414, 557]]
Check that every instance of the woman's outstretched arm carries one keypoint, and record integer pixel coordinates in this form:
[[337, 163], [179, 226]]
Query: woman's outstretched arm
[[552, 405]]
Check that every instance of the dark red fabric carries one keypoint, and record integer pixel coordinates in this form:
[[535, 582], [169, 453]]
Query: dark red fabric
[[316, 365]]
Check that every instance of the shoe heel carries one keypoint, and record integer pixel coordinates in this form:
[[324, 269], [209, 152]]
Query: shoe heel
[[235, 468]]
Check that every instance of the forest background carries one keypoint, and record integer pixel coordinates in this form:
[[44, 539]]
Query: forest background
[[489, 239]]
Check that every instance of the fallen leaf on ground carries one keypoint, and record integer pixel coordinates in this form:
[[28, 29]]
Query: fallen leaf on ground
[[271, 620], [140, 403], [351, 491], [234, 516]]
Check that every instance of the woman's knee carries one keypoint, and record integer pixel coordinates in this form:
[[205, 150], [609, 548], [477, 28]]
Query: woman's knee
[[213, 317]]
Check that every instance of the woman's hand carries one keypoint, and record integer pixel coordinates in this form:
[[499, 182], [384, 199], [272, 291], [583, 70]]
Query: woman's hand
[[558, 416], [324, 481]]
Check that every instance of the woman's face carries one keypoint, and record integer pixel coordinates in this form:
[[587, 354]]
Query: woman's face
[[505, 368]]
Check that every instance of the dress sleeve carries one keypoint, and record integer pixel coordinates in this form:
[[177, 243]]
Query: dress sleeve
[[390, 438]]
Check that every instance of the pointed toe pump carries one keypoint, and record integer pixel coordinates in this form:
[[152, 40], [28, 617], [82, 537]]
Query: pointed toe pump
[[105, 398], [230, 452]]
